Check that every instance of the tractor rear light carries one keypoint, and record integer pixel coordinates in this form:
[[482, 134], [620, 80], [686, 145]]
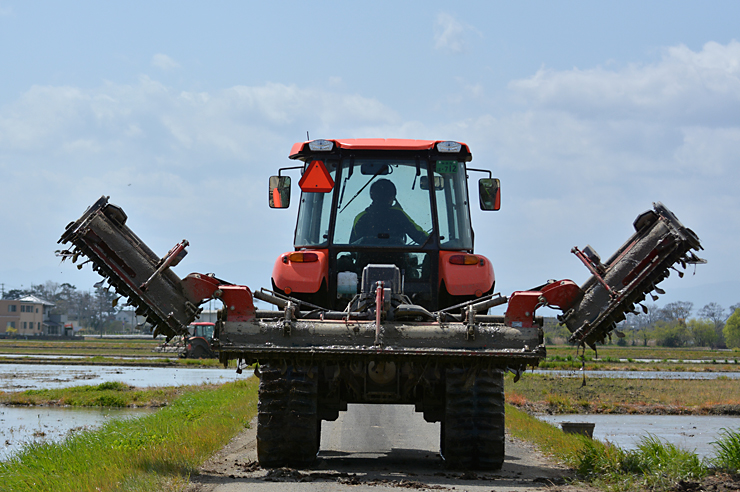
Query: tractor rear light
[[321, 145], [449, 147], [301, 257], [467, 260]]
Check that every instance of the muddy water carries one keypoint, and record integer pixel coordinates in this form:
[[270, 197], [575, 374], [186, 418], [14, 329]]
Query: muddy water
[[22, 425], [692, 432], [20, 377]]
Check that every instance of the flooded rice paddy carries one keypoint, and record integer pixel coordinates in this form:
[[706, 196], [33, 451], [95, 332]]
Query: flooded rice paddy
[[22, 425], [691, 432], [21, 377], [37, 424]]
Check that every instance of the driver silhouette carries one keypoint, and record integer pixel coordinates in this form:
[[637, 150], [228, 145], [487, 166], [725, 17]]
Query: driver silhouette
[[384, 220]]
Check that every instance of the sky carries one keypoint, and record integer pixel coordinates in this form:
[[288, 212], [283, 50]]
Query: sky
[[588, 112]]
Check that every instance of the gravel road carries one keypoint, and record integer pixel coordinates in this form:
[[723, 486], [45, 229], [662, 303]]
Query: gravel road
[[375, 448]]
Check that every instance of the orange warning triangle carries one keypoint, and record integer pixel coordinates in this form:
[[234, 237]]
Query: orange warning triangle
[[316, 179]]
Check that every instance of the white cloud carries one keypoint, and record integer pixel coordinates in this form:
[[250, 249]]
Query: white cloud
[[5, 11], [450, 34], [683, 87], [592, 146], [164, 155], [229, 121], [164, 62], [587, 150]]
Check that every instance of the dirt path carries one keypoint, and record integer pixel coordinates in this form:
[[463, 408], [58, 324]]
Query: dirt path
[[358, 454]]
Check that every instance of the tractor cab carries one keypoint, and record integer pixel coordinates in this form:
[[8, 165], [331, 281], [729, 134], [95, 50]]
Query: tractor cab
[[201, 330], [383, 202]]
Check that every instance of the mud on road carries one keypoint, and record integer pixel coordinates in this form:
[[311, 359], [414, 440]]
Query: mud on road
[[365, 463]]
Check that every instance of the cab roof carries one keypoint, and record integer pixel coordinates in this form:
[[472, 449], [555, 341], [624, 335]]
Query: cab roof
[[375, 144]]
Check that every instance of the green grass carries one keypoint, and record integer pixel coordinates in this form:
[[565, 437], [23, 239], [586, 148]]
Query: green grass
[[550, 439], [109, 394], [727, 452], [655, 465], [155, 452]]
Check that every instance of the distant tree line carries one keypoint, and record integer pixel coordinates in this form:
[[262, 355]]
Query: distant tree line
[[673, 325], [94, 310]]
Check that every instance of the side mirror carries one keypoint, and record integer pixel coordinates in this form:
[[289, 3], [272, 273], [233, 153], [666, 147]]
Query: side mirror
[[279, 191], [439, 183], [489, 193]]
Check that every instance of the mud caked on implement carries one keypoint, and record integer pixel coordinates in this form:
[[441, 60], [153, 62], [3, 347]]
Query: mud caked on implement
[[383, 299]]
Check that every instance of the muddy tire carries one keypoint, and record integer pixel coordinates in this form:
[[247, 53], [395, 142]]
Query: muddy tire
[[287, 420], [472, 435]]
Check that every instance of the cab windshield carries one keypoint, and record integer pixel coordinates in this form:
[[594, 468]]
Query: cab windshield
[[388, 202], [382, 203]]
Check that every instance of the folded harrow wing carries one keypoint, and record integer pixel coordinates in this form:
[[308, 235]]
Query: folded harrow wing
[[660, 243]]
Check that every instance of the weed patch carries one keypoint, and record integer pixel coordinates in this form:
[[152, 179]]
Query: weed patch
[[727, 451]]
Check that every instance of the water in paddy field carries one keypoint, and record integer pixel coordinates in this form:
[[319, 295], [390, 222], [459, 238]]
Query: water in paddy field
[[691, 432], [21, 377], [22, 425], [638, 374]]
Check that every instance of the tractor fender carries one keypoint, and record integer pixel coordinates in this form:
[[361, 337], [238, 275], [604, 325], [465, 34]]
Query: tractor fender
[[465, 280], [301, 276]]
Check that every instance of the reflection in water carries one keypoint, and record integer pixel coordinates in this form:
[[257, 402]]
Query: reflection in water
[[20, 377], [21, 425], [691, 432]]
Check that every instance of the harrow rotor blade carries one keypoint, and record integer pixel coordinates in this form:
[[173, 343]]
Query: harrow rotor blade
[[659, 243], [119, 256]]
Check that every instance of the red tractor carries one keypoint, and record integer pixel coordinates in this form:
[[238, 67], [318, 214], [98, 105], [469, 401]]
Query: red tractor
[[395, 202], [383, 299], [198, 342]]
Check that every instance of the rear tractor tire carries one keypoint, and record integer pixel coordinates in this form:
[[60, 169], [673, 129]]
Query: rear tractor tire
[[472, 434], [288, 428]]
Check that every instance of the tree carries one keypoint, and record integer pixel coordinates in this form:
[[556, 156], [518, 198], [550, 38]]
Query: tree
[[671, 334], [716, 314], [703, 333], [732, 329], [734, 308], [679, 310], [14, 294]]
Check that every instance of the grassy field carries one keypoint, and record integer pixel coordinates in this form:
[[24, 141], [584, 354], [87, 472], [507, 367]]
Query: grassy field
[[638, 352], [95, 351], [156, 452], [160, 451], [544, 393], [92, 346], [615, 358], [110, 394]]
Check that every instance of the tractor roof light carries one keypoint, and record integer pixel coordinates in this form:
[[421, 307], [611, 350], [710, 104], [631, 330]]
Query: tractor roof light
[[321, 145], [449, 147], [466, 260]]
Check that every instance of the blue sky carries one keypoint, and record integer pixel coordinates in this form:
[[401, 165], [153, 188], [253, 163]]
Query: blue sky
[[180, 112]]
